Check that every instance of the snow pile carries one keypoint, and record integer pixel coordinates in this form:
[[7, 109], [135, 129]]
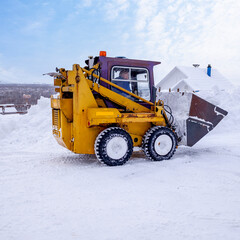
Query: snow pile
[[180, 106], [49, 193], [31, 131], [229, 101]]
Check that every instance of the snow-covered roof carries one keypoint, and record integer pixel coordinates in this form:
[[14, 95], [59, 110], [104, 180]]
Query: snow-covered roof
[[199, 80], [196, 78], [180, 84]]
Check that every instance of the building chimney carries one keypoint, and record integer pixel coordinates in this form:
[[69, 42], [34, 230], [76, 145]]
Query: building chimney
[[196, 65], [209, 70]]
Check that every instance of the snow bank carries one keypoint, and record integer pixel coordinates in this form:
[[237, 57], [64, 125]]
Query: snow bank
[[31, 131], [49, 193], [180, 106], [229, 101]]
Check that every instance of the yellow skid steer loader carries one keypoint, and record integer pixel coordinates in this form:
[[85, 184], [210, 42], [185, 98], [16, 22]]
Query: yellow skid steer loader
[[109, 107]]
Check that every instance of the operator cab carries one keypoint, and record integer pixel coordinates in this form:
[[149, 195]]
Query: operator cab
[[139, 81]]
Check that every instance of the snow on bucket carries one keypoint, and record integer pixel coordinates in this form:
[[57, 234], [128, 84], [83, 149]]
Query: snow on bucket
[[193, 116]]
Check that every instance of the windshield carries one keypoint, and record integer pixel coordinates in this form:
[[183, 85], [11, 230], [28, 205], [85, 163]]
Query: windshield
[[132, 79]]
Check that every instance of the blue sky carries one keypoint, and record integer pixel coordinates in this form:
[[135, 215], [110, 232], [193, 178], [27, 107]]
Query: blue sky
[[38, 36]]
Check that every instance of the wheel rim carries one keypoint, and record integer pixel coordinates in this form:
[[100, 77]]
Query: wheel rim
[[163, 145], [116, 147]]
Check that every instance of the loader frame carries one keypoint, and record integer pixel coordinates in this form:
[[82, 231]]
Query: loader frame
[[91, 114], [79, 115]]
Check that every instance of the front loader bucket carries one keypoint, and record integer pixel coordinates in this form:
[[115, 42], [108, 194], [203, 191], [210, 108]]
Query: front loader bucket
[[193, 116], [203, 117]]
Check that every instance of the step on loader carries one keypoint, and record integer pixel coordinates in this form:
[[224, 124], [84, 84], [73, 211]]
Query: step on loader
[[109, 107]]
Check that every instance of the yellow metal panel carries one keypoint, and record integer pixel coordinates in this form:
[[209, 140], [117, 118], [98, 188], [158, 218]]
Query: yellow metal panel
[[98, 116], [137, 140], [161, 121], [142, 117], [83, 99], [67, 108], [66, 132], [138, 115], [101, 121], [67, 89], [100, 112], [111, 115], [136, 130], [55, 103], [71, 77], [57, 82], [106, 114], [100, 103]]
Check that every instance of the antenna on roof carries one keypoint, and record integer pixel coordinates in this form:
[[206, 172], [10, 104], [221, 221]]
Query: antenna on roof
[[196, 65]]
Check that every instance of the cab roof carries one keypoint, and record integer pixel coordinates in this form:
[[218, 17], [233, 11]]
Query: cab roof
[[127, 62]]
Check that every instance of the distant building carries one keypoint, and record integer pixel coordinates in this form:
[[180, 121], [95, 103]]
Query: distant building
[[24, 93], [193, 79]]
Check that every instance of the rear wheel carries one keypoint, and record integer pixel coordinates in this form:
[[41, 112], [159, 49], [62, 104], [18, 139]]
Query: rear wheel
[[113, 146], [159, 143]]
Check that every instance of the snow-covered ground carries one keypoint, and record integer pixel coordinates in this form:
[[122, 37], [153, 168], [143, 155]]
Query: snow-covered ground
[[47, 192]]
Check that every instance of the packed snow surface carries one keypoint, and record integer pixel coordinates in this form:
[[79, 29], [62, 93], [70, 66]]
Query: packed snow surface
[[50, 193]]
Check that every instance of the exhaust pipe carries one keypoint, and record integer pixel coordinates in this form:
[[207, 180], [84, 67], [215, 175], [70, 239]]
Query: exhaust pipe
[[209, 70]]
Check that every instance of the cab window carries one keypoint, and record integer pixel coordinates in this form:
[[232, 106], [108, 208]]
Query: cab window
[[132, 79]]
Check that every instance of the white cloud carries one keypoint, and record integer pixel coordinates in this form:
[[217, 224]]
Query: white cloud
[[183, 32], [82, 4], [87, 3], [145, 11], [16, 74], [175, 32], [115, 8], [34, 26]]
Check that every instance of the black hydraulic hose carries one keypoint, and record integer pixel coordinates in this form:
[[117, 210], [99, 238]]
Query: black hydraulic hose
[[169, 111], [97, 71]]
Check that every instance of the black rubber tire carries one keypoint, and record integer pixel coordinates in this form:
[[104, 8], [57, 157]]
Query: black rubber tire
[[148, 144], [102, 141]]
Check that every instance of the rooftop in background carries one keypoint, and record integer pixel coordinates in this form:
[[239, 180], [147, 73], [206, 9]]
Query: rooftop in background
[[193, 79]]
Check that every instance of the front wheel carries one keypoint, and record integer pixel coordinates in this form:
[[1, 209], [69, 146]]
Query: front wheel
[[159, 143], [113, 146]]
